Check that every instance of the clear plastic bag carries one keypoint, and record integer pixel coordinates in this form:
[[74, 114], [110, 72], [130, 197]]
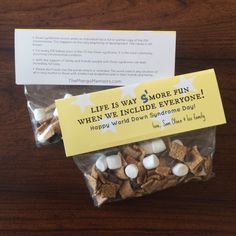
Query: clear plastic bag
[[42, 110], [138, 169]]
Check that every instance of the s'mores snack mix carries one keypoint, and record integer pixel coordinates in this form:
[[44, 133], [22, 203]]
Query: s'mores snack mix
[[136, 145], [111, 97], [136, 169]]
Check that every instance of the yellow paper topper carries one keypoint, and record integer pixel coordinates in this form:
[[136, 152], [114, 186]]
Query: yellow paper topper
[[139, 112]]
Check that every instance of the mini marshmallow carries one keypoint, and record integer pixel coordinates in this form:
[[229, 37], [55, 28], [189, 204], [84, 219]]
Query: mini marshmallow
[[151, 162], [178, 141], [113, 162], [55, 113], [131, 171], [154, 146], [158, 145], [68, 95], [101, 163], [180, 170], [39, 114]]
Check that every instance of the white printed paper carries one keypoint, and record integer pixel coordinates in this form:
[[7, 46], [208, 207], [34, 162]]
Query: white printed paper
[[93, 57]]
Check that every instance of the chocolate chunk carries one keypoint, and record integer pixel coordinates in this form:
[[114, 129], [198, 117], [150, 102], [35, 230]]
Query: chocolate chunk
[[135, 186]]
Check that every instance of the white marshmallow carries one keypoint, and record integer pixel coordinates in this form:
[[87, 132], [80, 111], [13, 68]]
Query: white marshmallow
[[178, 141], [154, 146], [55, 113], [131, 171], [67, 95], [180, 170], [158, 145], [113, 162], [41, 138], [101, 163], [39, 114], [151, 162]]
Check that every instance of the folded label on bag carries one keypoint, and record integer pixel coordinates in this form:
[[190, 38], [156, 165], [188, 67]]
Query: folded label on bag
[[139, 112], [93, 57]]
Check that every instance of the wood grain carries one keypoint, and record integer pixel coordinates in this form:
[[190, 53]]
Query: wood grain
[[42, 192]]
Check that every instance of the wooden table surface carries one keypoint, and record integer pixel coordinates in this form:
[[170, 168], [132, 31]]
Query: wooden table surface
[[43, 193]]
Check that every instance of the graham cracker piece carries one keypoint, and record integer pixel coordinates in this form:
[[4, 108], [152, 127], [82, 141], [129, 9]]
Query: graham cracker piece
[[141, 173], [100, 200], [41, 128], [54, 119], [50, 107], [48, 133], [94, 172], [112, 178], [163, 170], [123, 161], [126, 190], [140, 180], [162, 162], [130, 151], [153, 185], [193, 178], [102, 177], [167, 142], [48, 117], [158, 177], [148, 185], [141, 170], [171, 182], [139, 193], [142, 152], [92, 182], [151, 172], [196, 161], [56, 126], [131, 160], [120, 173], [109, 190], [208, 165], [177, 151], [159, 184]]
